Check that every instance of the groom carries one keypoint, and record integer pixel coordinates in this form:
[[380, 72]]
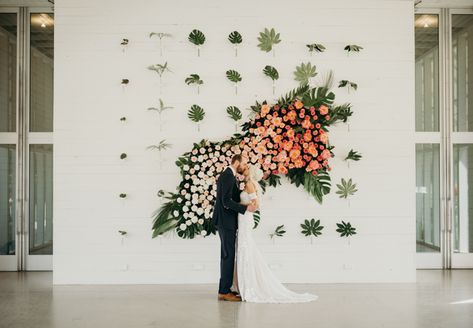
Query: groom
[[225, 218]]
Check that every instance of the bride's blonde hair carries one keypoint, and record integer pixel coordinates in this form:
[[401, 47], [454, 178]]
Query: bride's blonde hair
[[255, 175]]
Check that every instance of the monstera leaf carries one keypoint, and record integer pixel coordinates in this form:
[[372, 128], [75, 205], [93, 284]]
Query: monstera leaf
[[234, 77], [272, 73], [235, 38], [345, 229], [347, 188], [304, 72], [196, 113], [198, 38], [311, 228], [194, 79], [234, 113], [268, 39]]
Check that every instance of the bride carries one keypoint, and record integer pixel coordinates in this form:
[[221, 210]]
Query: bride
[[253, 279]]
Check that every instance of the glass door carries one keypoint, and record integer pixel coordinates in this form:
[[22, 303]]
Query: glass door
[[26, 138], [428, 144], [8, 137], [461, 22]]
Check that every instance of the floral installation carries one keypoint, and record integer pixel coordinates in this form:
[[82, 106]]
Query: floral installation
[[289, 138]]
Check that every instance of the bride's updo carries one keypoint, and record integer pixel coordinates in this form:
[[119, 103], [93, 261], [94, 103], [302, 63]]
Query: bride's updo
[[255, 173]]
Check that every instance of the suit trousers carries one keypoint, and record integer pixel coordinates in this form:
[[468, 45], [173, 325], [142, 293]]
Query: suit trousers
[[227, 258]]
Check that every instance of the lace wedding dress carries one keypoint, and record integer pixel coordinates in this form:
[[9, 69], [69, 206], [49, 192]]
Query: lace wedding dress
[[255, 280]]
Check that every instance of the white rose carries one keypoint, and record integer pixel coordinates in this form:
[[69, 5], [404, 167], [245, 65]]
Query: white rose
[[176, 213], [197, 167], [201, 221], [187, 177], [194, 207], [200, 158], [194, 219], [188, 196], [179, 200], [183, 192], [200, 211], [188, 203], [185, 208], [186, 186], [186, 167], [188, 222], [182, 226], [194, 151], [203, 233], [202, 150]]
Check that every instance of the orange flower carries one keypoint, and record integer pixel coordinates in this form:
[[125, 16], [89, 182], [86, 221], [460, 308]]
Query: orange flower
[[277, 139], [306, 124], [298, 104], [282, 169], [312, 150], [265, 109], [290, 133], [291, 115], [307, 136], [323, 109], [323, 138], [294, 153], [314, 165], [288, 145], [325, 154]]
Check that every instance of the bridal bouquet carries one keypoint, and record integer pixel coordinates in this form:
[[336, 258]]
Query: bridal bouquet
[[289, 138]]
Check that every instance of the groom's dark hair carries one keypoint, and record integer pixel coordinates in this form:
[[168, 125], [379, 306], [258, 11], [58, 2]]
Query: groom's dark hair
[[235, 158]]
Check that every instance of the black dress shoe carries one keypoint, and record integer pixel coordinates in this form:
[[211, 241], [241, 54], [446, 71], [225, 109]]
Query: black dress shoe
[[235, 293]]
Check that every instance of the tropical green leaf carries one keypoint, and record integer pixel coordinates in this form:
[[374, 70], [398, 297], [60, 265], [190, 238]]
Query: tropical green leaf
[[160, 68], [163, 220], [349, 84], [163, 145], [353, 155], [304, 72], [315, 47], [256, 218], [346, 188], [311, 227], [161, 107], [298, 92], [196, 113], [234, 113], [196, 37], [268, 39], [233, 76], [194, 79], [345, 229], [352, 48], [160, 35], [278, 232], [235, 37], [271, 72]]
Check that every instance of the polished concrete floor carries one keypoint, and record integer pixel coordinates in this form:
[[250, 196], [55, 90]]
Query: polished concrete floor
[[438, 299]]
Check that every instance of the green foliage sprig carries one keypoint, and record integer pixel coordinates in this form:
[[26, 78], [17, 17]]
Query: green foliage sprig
[[304, 72], [235, 38], [197, 38], [345, 229], [278, 232], [268, 39]]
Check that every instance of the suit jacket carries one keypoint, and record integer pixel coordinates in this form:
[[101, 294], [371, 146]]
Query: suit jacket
[[227, 204]]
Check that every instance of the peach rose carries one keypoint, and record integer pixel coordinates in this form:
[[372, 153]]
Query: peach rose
[[323, 109], [298, 104], [265, 108]]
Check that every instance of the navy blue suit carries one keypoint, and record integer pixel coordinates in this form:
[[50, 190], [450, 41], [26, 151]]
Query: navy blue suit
[[225, 218]]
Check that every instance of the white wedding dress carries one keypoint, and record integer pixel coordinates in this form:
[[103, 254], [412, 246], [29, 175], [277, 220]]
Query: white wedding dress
[[255, 280]]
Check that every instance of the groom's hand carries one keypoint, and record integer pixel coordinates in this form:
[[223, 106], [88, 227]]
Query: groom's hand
[[251, 208]]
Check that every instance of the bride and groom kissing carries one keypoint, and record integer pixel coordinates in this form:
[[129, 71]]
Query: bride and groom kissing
[[244, 273]]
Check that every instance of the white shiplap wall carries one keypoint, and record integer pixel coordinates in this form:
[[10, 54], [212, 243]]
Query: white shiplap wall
[[88, 137]]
